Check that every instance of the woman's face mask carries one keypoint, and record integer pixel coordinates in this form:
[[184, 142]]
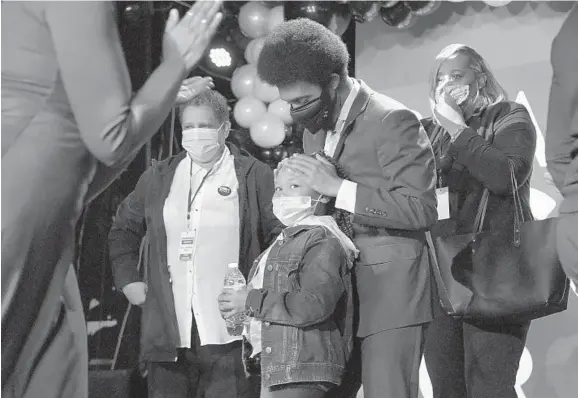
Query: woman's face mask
[[458, 80], [459, 93], [316, 114], [202, 144]]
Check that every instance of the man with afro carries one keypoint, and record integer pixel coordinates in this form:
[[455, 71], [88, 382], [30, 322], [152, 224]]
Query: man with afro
[[390, 194]]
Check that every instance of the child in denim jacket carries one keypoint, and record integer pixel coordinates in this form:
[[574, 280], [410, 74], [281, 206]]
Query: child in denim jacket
[[299, 296]]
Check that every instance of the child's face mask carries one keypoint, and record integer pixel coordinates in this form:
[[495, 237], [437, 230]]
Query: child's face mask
[[291, 209]]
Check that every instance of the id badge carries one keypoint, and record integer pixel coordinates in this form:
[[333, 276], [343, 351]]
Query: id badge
[[443, 203], [186, 247]]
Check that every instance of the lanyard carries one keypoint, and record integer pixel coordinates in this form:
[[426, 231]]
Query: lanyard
[[192, 197]]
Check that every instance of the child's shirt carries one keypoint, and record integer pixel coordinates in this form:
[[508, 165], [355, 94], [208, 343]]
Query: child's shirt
[[252, 329]]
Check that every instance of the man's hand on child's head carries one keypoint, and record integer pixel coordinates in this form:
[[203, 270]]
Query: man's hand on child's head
[[317, 173]]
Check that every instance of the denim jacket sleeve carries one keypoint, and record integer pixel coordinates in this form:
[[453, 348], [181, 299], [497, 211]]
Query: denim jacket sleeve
[[125, 236], [320, 287]]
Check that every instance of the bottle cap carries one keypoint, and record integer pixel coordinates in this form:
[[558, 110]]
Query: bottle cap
[[233, 265]]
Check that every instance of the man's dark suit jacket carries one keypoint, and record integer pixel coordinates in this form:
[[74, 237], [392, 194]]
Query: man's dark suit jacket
[[387, 153]]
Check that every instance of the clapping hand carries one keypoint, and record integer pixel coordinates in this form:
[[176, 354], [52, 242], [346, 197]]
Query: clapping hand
[[189, 37], [192, 87]]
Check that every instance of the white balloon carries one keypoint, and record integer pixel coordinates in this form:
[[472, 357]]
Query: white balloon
[[256, 48], [243, 80], [264, 91], [249, 52], [276, 17], [253, 18], [268, 132], [248, 110], [281, 109]]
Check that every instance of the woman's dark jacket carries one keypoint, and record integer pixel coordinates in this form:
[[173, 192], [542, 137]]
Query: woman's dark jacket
[[142, 213], [480, 158]]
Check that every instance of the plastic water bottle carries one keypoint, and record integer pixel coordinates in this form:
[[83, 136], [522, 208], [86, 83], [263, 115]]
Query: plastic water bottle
[[235, 280]]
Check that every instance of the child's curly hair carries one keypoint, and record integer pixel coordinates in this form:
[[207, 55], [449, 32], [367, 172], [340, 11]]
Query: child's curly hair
[[342, 217]]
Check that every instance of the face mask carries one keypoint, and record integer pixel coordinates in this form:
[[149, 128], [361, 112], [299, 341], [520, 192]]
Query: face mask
[[459, 93], [316, 114], [202, 144], [291, 209]]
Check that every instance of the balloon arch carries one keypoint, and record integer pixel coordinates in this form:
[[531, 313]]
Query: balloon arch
[[262, 121]]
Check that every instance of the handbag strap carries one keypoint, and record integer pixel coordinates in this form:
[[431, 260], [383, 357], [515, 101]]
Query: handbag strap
[[142, 251], [518, 213], [481, 214]]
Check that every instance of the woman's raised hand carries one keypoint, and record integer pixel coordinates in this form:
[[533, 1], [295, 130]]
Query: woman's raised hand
[[189, 37]]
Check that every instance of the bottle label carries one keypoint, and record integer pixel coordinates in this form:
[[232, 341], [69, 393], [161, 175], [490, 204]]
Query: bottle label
[[235, 283]]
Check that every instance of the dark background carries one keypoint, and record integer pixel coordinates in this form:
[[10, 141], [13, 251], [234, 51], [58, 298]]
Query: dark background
[[141, 24]]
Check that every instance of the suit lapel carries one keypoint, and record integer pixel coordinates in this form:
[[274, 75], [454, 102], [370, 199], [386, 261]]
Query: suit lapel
[[339, 148], [359, 105]]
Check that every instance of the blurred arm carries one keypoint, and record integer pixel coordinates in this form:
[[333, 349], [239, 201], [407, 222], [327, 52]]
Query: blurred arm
[[114, 124]]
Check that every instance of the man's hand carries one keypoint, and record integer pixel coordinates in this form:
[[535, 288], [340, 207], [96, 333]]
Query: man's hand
[[192, 87], [136, 292], [232, 302], [316, 173], [449, 115]]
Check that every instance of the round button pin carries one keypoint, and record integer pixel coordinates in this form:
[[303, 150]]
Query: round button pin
[[224, 191]]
